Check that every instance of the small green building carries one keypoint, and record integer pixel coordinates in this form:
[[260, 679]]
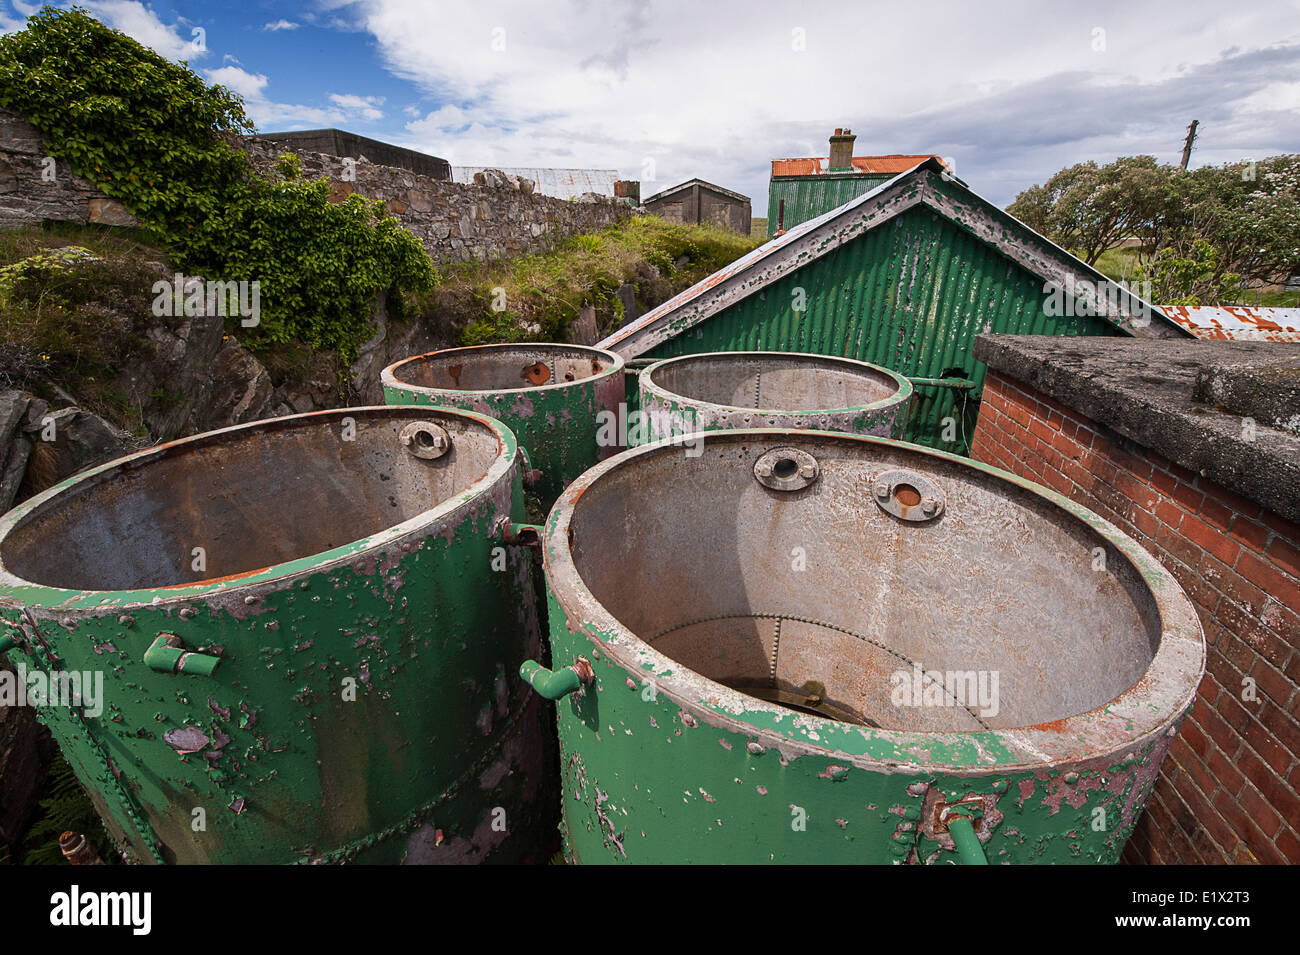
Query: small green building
[[905, 276], [803, 189]]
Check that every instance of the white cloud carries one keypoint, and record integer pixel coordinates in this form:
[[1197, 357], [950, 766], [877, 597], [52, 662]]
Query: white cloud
[[270, 115], [365, 106], [176, 42], [246, 84], [280, 25], [716, 90]]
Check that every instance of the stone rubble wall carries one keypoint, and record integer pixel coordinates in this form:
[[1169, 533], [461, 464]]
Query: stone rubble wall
[[502, 218]]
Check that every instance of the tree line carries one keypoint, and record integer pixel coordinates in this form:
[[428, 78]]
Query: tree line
[[1201, 237]]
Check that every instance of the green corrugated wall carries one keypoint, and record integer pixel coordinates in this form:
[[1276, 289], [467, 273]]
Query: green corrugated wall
[[807, 197], [910, 295]]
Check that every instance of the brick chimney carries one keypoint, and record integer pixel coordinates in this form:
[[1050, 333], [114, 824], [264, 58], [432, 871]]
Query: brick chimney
[[841, 151]]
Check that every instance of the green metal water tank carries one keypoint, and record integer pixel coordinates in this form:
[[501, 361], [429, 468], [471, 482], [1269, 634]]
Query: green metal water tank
[[550, 395], [804, 647], [721, 390], [306, 630]]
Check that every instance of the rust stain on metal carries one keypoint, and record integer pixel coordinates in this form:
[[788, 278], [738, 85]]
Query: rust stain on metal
[[1237, 322], [538, 374]]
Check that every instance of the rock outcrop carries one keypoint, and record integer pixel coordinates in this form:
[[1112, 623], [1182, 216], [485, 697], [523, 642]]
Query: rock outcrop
[[40, 447]]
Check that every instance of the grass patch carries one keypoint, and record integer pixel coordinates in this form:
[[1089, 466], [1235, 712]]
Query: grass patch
[[537, 297], [1119, 265]]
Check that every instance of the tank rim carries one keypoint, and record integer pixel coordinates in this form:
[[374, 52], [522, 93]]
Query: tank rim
[[388, 377], [16, 591], [898, 398], [1137, 717]]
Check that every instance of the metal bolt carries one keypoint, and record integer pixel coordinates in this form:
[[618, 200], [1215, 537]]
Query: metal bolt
[[808, 471], [882, 491], [929, 505]]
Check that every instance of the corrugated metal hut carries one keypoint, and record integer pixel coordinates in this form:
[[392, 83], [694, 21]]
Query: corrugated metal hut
[[697, 201], [803, 189], [903, 276]]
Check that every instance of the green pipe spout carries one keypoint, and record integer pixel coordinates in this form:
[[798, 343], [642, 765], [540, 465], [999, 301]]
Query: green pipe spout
[[556, 684], [968, 845], [166, 655]]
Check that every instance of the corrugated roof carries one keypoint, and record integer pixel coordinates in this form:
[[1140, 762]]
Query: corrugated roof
[[560, 183], [692, 182], [789, 251], [890, 165], [1237, 323]]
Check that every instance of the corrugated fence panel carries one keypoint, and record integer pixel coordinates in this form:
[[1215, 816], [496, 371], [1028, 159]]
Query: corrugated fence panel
[[910, 295]]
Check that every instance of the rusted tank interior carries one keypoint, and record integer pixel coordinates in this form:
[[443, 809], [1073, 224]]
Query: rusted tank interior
[[774, 382], [817, 592], [251, 497], [500, 367]]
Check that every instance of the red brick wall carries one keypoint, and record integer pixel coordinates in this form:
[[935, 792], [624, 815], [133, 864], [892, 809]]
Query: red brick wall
[[1228, 790]]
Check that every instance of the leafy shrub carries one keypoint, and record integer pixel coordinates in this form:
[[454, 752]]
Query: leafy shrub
[[153, 135], [544, 293], [69, 314]]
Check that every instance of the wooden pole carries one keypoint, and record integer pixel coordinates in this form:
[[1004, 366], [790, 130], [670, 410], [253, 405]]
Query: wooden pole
[[1187, 143]]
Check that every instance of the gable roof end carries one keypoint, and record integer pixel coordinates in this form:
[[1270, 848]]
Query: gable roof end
[[927, 183]]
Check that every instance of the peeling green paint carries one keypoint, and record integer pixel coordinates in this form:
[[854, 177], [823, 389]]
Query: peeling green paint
[[668, 413], [556, 423], [364, 708], [661, 765]]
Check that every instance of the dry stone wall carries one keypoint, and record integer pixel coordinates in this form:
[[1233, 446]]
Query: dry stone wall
[[456, 222]]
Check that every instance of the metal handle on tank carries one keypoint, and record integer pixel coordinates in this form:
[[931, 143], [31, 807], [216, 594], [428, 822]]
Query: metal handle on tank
[[966, 842], [528, 474], [166, 655], [557, 684]]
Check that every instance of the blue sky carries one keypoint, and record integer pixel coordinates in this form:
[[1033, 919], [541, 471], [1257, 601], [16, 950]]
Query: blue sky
[[664, 90]]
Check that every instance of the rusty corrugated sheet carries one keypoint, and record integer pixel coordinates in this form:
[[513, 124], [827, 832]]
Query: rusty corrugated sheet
[[559, 183], [1237, 322], [892, 164]]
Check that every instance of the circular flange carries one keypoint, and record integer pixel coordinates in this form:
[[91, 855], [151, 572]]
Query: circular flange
[[907, 495], [425, 439], [786, 469]]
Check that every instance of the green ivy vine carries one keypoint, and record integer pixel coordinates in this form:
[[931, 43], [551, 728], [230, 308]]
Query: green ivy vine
[[151, 134]]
